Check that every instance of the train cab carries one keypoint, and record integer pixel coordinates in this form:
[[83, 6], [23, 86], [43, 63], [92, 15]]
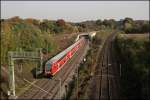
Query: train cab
[[48, 69]]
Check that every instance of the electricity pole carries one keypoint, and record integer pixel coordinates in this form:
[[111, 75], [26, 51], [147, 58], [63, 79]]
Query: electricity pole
[[12, 56], [41, 61], [11, 76]]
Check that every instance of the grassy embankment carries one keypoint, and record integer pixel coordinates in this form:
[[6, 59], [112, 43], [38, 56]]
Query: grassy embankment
[[133, 53]]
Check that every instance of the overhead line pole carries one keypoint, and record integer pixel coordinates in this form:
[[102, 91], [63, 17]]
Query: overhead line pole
[[12, 56], [11, 76]]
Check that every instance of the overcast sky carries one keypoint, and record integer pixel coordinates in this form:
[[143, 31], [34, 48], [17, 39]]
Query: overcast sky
[[76, 11]]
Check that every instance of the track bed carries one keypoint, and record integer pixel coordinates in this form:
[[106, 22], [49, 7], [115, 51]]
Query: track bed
[[104, 85], [50, 87]]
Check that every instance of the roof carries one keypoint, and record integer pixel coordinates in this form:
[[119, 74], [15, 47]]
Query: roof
[[61, 54]]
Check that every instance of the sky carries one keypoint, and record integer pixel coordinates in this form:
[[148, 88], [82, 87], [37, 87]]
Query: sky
[[76, 11]]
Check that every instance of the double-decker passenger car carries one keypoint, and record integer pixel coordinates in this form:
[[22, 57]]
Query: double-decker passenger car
[[53, 65]]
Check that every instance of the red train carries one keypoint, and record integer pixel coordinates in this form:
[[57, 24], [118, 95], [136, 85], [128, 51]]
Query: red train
[[53, 65]]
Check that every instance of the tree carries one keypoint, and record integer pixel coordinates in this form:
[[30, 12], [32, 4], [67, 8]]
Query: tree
[[128, 20], [105, 22], [109, 23], [15, 19], [145, 27], [57, 29], [112, 23], [32, 21], [128, 27], [128, 24], [98, 22], [60, 22], [46, 25]]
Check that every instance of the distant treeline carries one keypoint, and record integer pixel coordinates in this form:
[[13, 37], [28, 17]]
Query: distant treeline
[[128, 25], [28, 34], [45, 25]]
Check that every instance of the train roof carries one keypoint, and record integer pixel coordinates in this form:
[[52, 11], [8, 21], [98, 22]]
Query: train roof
[[61, 54]]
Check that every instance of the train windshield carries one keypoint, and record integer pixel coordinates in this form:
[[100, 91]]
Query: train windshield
[[48, 67]]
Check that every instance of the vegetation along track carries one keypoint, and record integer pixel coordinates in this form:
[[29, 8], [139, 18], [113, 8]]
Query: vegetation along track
[[51, 87], [105, 82]]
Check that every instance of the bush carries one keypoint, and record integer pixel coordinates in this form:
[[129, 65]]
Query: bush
[[134, 57]]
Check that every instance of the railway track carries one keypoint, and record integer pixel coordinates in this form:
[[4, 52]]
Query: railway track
[[105, 82], [52, 86]]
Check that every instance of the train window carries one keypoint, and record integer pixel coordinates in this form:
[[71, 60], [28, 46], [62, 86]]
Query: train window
[[48, 66]]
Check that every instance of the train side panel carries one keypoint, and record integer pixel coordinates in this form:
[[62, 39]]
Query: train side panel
[[61, 62]]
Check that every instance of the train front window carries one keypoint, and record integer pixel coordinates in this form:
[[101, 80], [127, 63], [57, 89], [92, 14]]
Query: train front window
[[48, 67]]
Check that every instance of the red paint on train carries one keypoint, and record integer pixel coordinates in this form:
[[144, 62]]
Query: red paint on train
[[54, 65]]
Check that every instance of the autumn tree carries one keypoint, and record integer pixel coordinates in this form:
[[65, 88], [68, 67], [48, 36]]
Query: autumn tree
[[60, 22], [15, 19], [32, 21]]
